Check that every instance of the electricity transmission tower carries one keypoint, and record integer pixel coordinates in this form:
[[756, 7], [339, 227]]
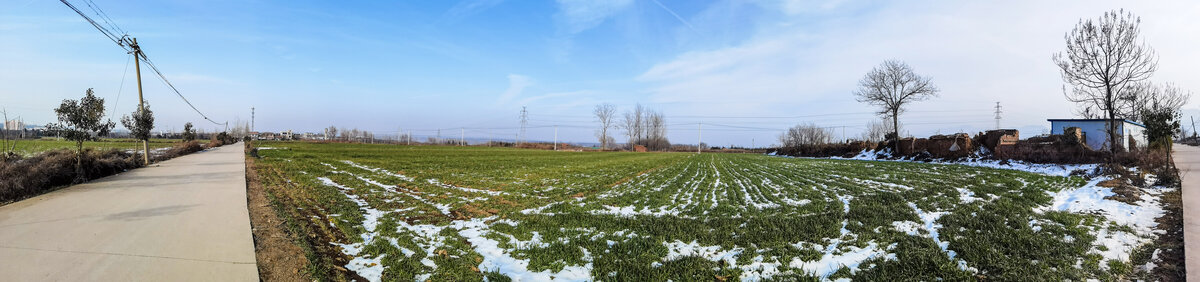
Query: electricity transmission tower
[[524, 121], [997, 115]]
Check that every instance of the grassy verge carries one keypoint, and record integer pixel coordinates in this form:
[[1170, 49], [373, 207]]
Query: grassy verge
[[33, 147]]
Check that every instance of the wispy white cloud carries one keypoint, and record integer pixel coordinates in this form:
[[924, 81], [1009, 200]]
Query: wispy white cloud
[[575, 16], [516, 84], [977, 53], [570, 96]]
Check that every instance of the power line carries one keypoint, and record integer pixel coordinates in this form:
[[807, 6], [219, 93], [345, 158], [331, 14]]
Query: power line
[[119, 40], [119, 89], [176, 90], [132, 47]]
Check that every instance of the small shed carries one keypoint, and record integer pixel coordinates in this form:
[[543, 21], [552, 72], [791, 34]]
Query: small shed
[[1095, 132]]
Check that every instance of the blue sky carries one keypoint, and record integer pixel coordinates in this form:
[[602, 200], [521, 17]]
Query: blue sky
[[423, 65]]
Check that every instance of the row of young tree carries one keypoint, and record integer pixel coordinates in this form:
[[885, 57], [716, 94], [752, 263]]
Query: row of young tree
[[83, 120], [641, 126], [348, 134]]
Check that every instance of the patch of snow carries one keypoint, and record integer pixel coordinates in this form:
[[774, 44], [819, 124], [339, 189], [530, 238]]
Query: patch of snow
[[465, 189], [679, 249], [498, 260], [830, 262], [1090, 198], [366, 266], [929, 220], [1046, 169], [630, 211], [966, 196], [907, 227]]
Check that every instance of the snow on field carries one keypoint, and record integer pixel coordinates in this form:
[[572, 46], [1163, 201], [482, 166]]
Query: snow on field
[[464, 189], [630, 211], [850, 258], [930, 225], [367, 267], [679, 249], [1091, 199], [1046, 169], [497, 259], [966, 196], [427, 236], [380, 170]]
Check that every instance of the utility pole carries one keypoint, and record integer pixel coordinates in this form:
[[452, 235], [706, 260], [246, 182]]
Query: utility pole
[[997, 115], [462, 137], [751, 143], [556, 138], [439, 136], [1193, 125], [251, 118], [699, 134], [137, 53]]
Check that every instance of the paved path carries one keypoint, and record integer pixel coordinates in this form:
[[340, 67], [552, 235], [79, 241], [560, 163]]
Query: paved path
[[182, 219], [1187, 158]]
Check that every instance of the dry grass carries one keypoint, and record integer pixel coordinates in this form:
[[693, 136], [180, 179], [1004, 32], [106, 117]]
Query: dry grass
[[45, 172], [22, 178], [279, 258]]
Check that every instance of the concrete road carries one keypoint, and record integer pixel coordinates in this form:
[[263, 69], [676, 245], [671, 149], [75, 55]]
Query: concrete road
[[1187, 158], [183, 219]]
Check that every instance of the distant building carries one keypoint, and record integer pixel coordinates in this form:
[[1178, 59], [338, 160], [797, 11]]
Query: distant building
[[1095, 132], [286, 135]]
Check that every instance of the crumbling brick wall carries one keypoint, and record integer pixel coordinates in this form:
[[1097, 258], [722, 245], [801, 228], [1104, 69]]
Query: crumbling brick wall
[[1066, 148], [993, 138], [938, 146]]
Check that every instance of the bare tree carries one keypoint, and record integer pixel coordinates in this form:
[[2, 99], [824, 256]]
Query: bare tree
[[1103, 57], [10, 144], [331, 133], [631, 122], [805, 134], [655, 127], [646, 127], [1157, 98], [605, 114], [877, 130], [891, 86]]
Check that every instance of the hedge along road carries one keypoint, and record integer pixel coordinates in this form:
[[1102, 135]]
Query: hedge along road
[[181, 219]]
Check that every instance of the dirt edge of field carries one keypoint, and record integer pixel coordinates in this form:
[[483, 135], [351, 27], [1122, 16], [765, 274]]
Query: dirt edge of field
[[1170, 262], [279, 259]]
